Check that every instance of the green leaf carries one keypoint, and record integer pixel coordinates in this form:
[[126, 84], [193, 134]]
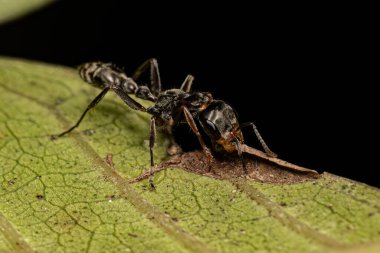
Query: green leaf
[[62, 196], [11, 9]]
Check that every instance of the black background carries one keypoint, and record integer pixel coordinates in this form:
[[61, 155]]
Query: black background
[[301, 73]]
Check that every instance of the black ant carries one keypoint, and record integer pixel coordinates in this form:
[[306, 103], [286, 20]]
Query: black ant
[[171, 107]]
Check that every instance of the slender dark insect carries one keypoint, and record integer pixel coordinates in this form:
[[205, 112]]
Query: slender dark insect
[[171, 107]]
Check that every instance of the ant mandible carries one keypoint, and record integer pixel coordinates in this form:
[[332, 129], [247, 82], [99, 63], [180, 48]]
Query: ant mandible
[[171, 107]]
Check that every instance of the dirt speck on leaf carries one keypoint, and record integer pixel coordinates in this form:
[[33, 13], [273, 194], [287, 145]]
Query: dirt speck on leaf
[[59, 101], [89, 132], [12, 181]]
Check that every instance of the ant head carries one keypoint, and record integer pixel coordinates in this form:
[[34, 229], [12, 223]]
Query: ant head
[[220, 123]]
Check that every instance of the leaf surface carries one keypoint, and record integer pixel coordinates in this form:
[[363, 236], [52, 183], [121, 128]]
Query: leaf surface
[[62, 196], [11, 9]]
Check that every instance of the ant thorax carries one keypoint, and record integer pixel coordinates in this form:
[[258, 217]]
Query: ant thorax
[[168, 102]]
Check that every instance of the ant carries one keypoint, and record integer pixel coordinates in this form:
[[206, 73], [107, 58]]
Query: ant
[[171, 107]]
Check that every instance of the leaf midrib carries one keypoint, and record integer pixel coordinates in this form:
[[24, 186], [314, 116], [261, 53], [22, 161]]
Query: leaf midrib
[[14, 238]]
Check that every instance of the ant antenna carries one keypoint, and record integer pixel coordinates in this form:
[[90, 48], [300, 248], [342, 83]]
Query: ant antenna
[[258, 135]]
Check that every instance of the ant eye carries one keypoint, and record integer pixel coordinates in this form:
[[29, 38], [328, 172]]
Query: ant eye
[[211, 124]]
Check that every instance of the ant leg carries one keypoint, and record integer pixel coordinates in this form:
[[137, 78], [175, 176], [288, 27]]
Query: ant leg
[[128, 100], [152, 139], [240, 154], [262, 142], [155, 79], [89, 107], [193, 126], [186, 85], [174, 148]]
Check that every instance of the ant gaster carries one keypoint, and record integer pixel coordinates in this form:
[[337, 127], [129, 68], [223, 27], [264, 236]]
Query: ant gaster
[[171, 107]]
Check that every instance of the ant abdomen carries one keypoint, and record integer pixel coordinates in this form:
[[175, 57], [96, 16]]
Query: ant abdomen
[[89, 72], [102, 75]]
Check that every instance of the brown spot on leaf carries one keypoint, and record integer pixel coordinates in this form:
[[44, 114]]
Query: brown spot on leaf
[[231, 167], [40, 196]]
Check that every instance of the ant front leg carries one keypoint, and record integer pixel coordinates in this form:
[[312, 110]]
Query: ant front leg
[[193, 126], [89, 107], [152, 140]]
